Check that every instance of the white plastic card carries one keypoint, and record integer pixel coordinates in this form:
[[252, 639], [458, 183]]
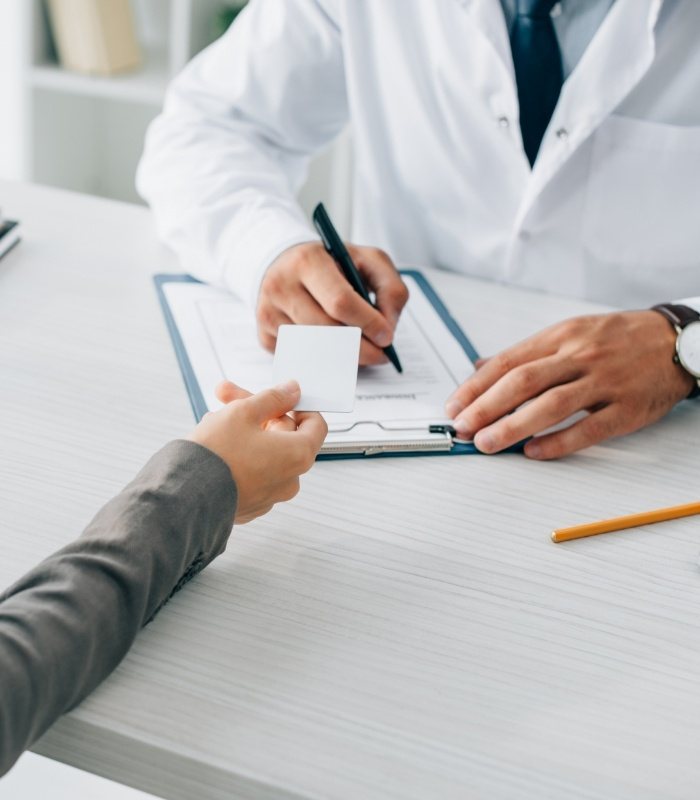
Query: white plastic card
[[323, 359]]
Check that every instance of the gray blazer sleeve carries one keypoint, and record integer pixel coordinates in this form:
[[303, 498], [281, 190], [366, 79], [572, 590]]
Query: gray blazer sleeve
[[67, 624]]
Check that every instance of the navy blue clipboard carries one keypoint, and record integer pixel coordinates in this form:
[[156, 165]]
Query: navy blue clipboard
[[199, 406]]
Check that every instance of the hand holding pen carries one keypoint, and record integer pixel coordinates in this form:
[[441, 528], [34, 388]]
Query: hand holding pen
[[337, 250], [305, 286]]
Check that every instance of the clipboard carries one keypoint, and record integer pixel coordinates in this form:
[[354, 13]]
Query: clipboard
[[386, 439]]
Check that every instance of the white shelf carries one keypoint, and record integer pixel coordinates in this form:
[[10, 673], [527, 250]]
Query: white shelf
[[144, 85], [86, 132]]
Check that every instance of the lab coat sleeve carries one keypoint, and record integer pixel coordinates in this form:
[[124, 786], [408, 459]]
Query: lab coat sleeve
[[224, 160]]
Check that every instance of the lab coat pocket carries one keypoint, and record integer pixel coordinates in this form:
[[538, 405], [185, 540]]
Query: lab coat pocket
[[642, 205]]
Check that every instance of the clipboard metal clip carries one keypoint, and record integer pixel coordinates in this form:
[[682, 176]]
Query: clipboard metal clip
[[441, 438], [443, 429]]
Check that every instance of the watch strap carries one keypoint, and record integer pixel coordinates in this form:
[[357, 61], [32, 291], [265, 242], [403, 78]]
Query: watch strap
[[679, 316]]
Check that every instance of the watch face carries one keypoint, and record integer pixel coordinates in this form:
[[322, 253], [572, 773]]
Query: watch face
[[689, 348]]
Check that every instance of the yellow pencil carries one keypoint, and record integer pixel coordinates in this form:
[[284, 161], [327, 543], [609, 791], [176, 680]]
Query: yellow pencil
[[620, 523]]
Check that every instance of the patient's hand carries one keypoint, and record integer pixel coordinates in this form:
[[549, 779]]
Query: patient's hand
[[265, 448]]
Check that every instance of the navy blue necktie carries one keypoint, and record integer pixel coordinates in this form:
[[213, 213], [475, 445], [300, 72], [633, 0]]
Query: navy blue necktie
[[538, 70]]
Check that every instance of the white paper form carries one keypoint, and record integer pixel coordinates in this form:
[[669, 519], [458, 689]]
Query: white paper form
[[220, 337]]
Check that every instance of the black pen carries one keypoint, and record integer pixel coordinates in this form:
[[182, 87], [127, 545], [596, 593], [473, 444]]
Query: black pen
[[337, 250]]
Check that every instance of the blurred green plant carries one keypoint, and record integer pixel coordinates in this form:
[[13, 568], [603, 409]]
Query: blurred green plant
[[226, 15]]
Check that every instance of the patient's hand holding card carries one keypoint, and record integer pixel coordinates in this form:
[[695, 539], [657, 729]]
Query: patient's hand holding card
[[323, 359]]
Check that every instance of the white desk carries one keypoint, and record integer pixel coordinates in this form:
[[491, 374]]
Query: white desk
[[404, 628]]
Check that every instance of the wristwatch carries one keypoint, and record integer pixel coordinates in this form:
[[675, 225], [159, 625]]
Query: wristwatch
[[686, 322]]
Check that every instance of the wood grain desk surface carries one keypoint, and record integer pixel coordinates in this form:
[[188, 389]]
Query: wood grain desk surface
[[402, 629]]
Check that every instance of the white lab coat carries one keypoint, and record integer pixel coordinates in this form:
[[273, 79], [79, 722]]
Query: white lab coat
[[610, 212]]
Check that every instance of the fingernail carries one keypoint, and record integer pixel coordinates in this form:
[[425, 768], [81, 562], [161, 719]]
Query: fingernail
[[533, 450], [383, 338], [460, 425], [452, 408], [485, 441], [290, 387]]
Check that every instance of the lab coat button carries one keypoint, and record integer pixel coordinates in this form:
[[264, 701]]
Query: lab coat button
[[503, 122], [562, 134]]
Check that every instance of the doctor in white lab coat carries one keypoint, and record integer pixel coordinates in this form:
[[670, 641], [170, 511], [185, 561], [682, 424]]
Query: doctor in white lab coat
[[606, 207]]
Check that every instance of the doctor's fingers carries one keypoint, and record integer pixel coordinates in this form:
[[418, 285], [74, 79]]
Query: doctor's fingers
[[269, 318], [340, 301], [303, 309], [516, 387], [552, 407], [382, 277], [494, 368], [602, 424]]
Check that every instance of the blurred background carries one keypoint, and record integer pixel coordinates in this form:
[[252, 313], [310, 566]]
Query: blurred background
[[82, 79]]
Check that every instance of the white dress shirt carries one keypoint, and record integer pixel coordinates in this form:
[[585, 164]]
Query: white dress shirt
[[610, 212]]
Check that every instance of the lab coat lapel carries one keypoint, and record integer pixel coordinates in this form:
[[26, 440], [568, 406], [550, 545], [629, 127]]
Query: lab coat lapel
[[617, 59], [493, 70], [491, 48], [487, 16]]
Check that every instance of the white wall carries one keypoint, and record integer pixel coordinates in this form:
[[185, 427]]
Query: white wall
[[13, 56]]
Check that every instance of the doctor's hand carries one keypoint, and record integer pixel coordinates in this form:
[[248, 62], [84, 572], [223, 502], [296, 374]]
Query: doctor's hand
[[265, 447], [618, 367], [304, 285]]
